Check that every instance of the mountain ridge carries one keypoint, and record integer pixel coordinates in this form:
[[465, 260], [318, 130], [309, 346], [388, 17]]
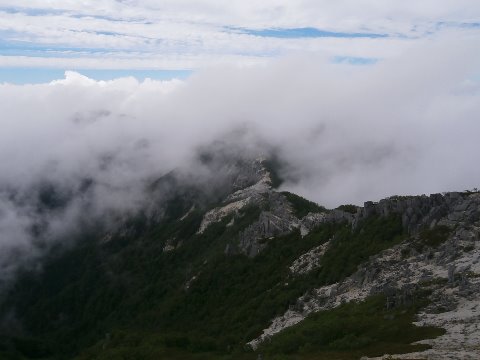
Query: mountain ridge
[[211, 276]]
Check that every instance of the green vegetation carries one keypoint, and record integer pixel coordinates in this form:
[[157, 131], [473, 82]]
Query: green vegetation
[[352, 209], [347, 332], [132, 284], [128, 299], [351, 331], [302, 206], [349, 249], [432, 237], [401, 197]]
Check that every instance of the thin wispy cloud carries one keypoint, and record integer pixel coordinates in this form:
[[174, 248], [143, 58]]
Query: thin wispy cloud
[[188, 35], [298, 33]]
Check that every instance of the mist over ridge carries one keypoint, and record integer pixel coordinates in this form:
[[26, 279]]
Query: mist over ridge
[[347, 134]]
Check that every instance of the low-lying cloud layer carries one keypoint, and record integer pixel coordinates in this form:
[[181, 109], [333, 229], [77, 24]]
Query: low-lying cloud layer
[[348, 133]]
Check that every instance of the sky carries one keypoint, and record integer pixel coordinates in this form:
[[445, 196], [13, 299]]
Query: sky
[[359, 99], [107, 39]]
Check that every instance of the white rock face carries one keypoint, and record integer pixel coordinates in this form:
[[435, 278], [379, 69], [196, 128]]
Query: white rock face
[[276, 218], [309, 261], [170, 245], [261, 187], [462, 340], [217, 214], [168, 248], [310, 221], [241, 198]]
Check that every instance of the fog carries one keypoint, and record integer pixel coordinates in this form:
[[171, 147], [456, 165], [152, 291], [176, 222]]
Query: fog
[[346, 133]]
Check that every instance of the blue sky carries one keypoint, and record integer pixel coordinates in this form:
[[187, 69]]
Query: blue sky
[[105, 39], [308, 32], [14, 75]]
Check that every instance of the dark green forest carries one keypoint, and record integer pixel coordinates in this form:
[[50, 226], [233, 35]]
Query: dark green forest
[[126, 298]]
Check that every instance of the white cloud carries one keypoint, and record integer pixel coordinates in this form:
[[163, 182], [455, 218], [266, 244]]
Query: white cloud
[[349, 134], [174, 62]]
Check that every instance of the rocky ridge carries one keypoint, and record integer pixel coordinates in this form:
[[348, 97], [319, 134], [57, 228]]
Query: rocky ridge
[[397, 272], [185, 239], [450, 270], [276, 217]]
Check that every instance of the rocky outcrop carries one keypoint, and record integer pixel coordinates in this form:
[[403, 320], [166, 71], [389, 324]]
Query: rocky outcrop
[[280, 220], [276, 217], [309, 261], [253, 187], [219, 213], [416, 212], [423, 211], [276, 221], [252, 182], [451, 271]]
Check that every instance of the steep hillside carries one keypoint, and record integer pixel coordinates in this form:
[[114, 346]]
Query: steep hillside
[[232, 268]]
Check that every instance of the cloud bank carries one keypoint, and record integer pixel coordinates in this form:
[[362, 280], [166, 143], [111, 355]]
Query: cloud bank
[[348, 134]]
